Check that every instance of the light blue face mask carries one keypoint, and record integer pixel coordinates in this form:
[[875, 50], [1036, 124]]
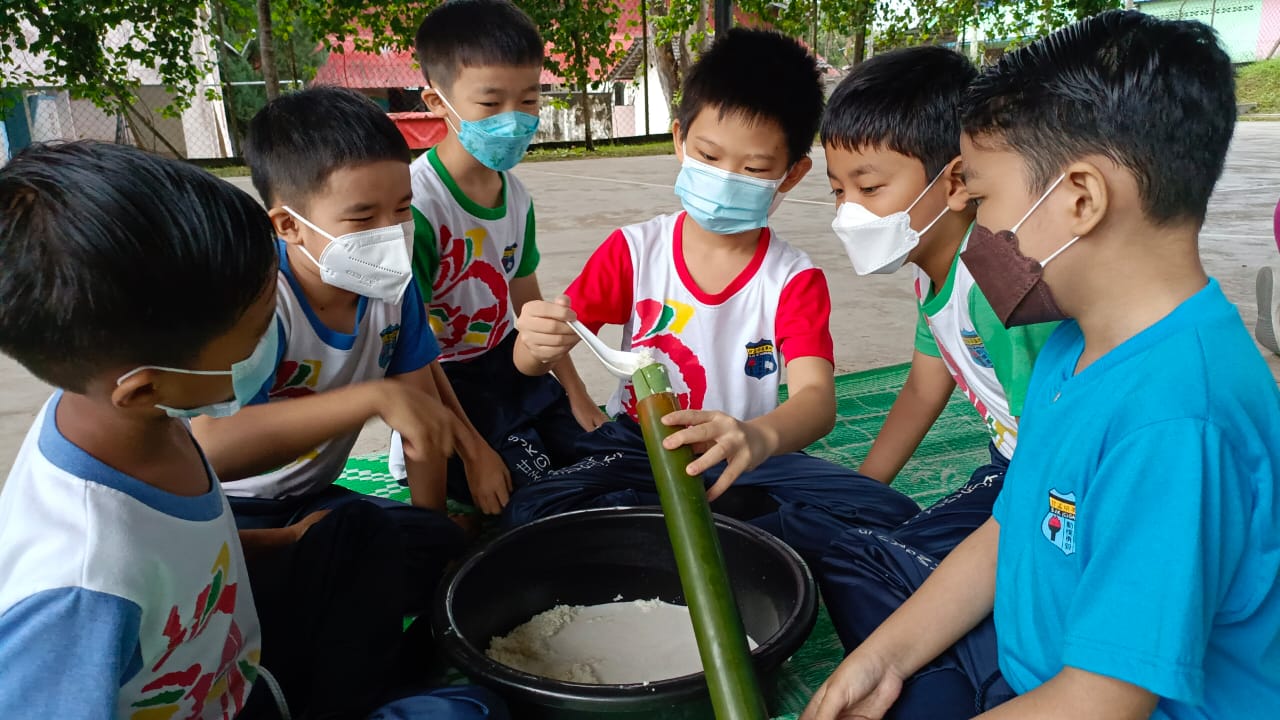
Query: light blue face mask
[[725, 202], [247, 378], [498, 142]]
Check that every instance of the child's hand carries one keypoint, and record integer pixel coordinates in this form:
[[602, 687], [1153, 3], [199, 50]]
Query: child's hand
[[427, 428], [719, 437], [301, 527], [862, 687], [543, 329], [587, 413], [489, 480]]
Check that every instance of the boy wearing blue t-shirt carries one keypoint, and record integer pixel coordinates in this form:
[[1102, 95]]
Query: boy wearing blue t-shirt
[[354, 342], [1132, 558]]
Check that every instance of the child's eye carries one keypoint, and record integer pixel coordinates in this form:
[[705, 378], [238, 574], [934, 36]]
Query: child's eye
[[755, 171], [706, 157], [488, 104], [869, 190], [838, 192], [359, 220], [975, 200]]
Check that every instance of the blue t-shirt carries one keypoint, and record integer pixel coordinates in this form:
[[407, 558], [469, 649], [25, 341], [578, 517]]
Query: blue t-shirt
[[1139, 522]]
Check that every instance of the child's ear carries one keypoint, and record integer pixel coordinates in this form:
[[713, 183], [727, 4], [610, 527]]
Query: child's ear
[[432, 100], [953, 181], [677, 140], [287, 226], [1090, 194], [136, 391], [796, 174]]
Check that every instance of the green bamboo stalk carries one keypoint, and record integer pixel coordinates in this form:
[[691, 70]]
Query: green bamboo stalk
[[717, 626]]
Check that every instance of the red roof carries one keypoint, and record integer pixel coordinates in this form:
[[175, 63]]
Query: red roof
[[353, 69]]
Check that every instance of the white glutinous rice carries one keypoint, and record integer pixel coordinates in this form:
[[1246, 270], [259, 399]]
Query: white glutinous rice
[[618, 643]]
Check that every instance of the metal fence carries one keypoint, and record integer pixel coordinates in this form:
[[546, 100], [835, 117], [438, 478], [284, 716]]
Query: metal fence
[[626, 100]]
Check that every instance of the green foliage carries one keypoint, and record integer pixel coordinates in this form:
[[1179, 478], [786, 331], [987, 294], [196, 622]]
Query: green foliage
[[90, 46], [298, 54], [1260, 83], [372, 26]]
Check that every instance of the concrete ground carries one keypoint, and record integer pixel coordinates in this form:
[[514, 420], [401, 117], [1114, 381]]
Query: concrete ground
[[581, 201]]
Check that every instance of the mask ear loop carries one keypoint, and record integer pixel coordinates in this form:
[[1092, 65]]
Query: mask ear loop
[[313, 226], [920, 197], [452, 109], [1052, 187]]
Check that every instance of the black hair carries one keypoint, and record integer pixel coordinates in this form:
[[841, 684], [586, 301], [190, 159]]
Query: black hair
[[297, 140], [907, 101], [758, 75], [474, 33], [1157, 97], [113, 257]]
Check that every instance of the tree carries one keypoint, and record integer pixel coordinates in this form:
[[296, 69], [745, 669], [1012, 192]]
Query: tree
[[370, 26], [96, 48], [267, 49], [680, 34], [584, 46]]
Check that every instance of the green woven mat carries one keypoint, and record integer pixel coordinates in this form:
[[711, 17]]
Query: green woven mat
[[955, 446]]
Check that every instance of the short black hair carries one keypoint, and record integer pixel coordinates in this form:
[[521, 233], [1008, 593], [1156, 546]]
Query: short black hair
[[759, 75], [113, 257], [907, 101], [1157, 97], [475, 33], [296, 141]]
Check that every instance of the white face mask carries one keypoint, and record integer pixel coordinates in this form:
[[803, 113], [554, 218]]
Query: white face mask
[[875, 244], [374, 263]]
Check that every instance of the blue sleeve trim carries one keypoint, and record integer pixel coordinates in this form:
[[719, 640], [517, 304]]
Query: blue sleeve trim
[[69, 457], [416, 345], [66, 653]]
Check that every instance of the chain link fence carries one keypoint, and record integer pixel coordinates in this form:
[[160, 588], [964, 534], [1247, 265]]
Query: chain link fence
[[627, 100]]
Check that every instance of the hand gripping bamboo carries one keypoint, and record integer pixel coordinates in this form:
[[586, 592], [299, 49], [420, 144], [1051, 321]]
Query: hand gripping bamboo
[[722, 641]]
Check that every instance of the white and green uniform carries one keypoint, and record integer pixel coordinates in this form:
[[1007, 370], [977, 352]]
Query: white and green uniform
[[465, 256], [990, 363]]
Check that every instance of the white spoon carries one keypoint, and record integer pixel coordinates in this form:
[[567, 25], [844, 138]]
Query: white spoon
[[619, 362]]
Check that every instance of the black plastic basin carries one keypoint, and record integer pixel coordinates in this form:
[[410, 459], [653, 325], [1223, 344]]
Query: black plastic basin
[[592, 557]]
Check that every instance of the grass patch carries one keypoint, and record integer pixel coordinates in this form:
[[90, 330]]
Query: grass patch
[[1260, 83], [602, 150], [230, 171]]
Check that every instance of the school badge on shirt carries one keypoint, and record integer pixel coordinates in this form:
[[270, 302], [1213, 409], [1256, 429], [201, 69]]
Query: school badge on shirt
[[1059, 525], [762, 361]]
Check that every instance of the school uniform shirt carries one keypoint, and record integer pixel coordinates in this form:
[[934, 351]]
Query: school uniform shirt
[[118, 600], [990, 363], [724, 351], [388, 339], [465, 257], [1140, 523]]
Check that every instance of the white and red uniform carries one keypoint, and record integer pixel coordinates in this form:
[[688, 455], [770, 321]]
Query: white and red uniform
[[725, 351]]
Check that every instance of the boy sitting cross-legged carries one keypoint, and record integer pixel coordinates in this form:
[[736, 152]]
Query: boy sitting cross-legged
[[724, 302], [354, 342], [476, 253], [891, 134]]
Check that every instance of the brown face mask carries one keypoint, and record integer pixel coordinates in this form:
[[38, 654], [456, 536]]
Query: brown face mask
[[1012, 282]]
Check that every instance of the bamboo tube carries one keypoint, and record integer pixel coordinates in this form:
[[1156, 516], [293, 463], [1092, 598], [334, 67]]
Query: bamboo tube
[[717, 626]]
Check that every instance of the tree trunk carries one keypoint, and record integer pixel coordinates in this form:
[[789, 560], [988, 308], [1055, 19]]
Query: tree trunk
[[664, 59], [584, 99], [267, 50], [859, 46], [228, 99]]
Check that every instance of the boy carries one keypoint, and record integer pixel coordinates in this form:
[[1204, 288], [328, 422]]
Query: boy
[[353, 342], [124, 587], [1132, 558], [125, 590], [475, 253], [891, 134], [714, 294]]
